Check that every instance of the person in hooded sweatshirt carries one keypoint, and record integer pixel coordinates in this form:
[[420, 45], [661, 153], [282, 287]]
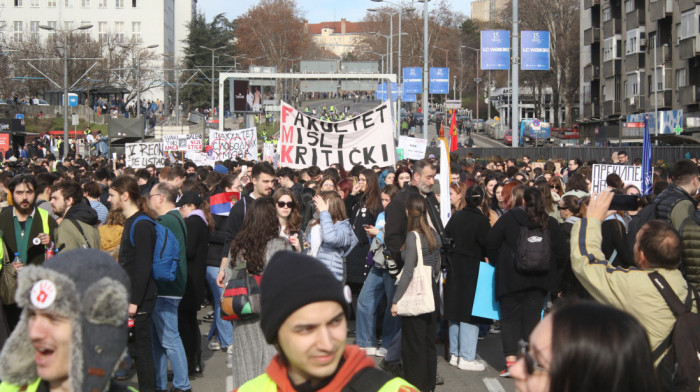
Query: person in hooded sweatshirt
[[77, 220]]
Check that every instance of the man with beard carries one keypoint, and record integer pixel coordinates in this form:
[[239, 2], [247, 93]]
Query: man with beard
[[263, 176], [26, 231], [77, 228]]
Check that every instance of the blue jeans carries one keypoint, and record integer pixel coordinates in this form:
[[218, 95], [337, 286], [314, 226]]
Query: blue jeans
[[222, 328], [168, 345], [377, 285], [463, 338]]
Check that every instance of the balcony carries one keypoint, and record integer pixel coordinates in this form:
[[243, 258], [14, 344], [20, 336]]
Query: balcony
[[634, 61], [611, 27], [688, 48], [591, 110], [686, 5], [634, 104], [590, 3], [611, 108], [664, 99], [634, 19], [591, 72], [591, 35], [611, 68], [688, 95], [659, 9], [663, 54]]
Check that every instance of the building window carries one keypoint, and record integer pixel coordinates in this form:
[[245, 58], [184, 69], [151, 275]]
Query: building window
[[102, 4], [687, 28], [629, 5], [632, 85], [35, 3], [34, 29], [119, 31], [102, 31], [51, 3], [607, 14], [633, 43], [68, 25], [133, 3], [136, 31], [17, 36], [681, 79], [2, 3], [611, 48], [18, 3], [656, 84], [609, 89], [68, 3], [119, 3], [86, 3]]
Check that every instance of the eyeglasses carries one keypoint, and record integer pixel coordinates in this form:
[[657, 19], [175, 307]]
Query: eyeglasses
[[562, 208], [531, 364], [155, 194], [282, 204]]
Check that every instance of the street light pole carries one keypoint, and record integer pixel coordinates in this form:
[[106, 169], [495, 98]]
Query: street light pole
[[425, 69], [211, 110]]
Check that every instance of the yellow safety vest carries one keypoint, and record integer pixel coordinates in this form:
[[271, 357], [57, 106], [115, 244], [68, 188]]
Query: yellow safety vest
[[7, 387], [263, 383], [45, 225]]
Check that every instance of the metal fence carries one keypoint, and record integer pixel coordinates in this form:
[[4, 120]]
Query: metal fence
[[662, 153]]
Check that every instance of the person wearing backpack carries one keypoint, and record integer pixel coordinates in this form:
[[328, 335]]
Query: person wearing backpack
[[166, 336], [654, 291], [136, 257], [526, 248]]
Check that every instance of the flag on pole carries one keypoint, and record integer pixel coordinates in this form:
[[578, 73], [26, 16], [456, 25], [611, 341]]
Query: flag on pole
[[445, 208], [454, 145], [647, 170]]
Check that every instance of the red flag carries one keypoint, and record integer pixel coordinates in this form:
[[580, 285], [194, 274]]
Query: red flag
[[442, 131], [453, 132]]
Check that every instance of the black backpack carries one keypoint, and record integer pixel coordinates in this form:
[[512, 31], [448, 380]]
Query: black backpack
[[534, 251], [680, 367]]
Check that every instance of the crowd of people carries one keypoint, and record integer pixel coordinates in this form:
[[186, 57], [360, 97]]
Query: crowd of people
[[335, 245]]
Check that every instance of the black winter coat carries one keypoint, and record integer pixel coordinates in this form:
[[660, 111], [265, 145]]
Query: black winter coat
[[197, 238], [501, 244], [356, 262], [468, 228]]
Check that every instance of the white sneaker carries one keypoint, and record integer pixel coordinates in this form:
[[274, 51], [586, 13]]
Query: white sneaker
[[381, 352], [454, 360], [214, 345], [229, 350], [471, 365], [370, 351]]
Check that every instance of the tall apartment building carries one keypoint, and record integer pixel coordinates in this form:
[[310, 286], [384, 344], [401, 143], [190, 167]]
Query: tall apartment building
[[153, 22], [637, 56], [487, 10]]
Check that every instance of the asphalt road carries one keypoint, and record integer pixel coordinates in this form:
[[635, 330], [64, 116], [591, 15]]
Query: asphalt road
[[218, 369]]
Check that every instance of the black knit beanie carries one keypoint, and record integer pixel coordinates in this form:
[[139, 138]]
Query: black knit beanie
[[290, 281]]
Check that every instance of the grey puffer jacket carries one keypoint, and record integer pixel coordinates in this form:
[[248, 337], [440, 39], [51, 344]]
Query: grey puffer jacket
[[338, 240]]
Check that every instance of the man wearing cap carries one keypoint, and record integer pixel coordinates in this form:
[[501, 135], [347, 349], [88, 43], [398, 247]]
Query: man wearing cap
[[73, 329], [303, 313]]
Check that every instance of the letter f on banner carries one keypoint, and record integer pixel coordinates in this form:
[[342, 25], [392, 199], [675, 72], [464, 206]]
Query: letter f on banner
[[286, 110]]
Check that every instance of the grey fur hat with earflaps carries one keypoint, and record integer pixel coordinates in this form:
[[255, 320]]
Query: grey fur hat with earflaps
[[92, 290]]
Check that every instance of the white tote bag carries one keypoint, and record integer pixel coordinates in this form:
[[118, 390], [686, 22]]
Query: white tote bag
[[418, 298]]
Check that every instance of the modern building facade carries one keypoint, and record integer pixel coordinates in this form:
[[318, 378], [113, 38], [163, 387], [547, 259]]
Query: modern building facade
[[487, 10], [337, 37], [638, 58], [162, 22]]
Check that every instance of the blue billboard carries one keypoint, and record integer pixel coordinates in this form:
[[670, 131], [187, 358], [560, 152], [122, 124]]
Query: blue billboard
[[439, 80], [413, 80], [534, 51], [408, 97], [382, 93], [495, 49]]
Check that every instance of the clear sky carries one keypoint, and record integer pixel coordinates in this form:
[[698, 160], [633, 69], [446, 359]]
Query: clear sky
[[314, 11]]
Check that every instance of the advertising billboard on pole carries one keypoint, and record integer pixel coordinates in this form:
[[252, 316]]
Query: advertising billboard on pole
[[439, 80], [412, 80], [534, 51], [495, 49]]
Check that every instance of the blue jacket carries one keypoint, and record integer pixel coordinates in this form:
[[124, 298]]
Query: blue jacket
[[338, 241]]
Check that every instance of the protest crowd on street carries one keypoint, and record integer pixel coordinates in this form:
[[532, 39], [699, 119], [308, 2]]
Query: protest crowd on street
[[304, 262]]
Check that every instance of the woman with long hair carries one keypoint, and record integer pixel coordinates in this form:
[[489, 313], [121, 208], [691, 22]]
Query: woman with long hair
[[288, 216], [403, 176], [330, 236], [548, 192], [377, 285], [222, 197], [418, 332], [251, 250], [570, 208], [583, 347], [468, 227], [498, 201], [508, 194], [457, 194], [522, 293]]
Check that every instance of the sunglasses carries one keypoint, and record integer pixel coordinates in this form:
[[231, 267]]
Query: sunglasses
[[531, 364], [554, 186], [561, 208], [289, 204]]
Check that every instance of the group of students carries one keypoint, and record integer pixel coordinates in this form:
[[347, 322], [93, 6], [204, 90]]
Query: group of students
[[374, 230]]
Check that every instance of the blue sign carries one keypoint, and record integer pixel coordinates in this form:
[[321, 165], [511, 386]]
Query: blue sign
[[439, 80], [408, 97], [72, 99], [412, 80], [534, 51], [495, 49], [19, 116], [382, 93]]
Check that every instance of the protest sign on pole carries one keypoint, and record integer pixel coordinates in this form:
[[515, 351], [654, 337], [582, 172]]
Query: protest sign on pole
[[140, 155], [413, 148], [171, 143], [199, 158], [268, 152], [193, 142], [234, 144], [366, 139], [630, 175]]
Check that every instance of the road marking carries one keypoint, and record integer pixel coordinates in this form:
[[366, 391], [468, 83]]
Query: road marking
[[493, 385], [229, 383]]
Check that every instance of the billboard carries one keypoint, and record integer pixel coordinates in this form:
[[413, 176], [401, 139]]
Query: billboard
[[439, 80], [382, 93], [495, 49], [412, 80], [534, 51], [240, 90]]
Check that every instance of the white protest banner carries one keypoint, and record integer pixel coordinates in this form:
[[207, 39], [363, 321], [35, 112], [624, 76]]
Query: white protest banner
[[413, 148], [140, 155], [234, 144], [268, 152], [630, 175], [366, 139], [199, 158], [171, 143], [193, 142]]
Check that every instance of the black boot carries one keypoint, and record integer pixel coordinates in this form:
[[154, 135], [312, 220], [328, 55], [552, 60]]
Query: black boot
[[197, 368]]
